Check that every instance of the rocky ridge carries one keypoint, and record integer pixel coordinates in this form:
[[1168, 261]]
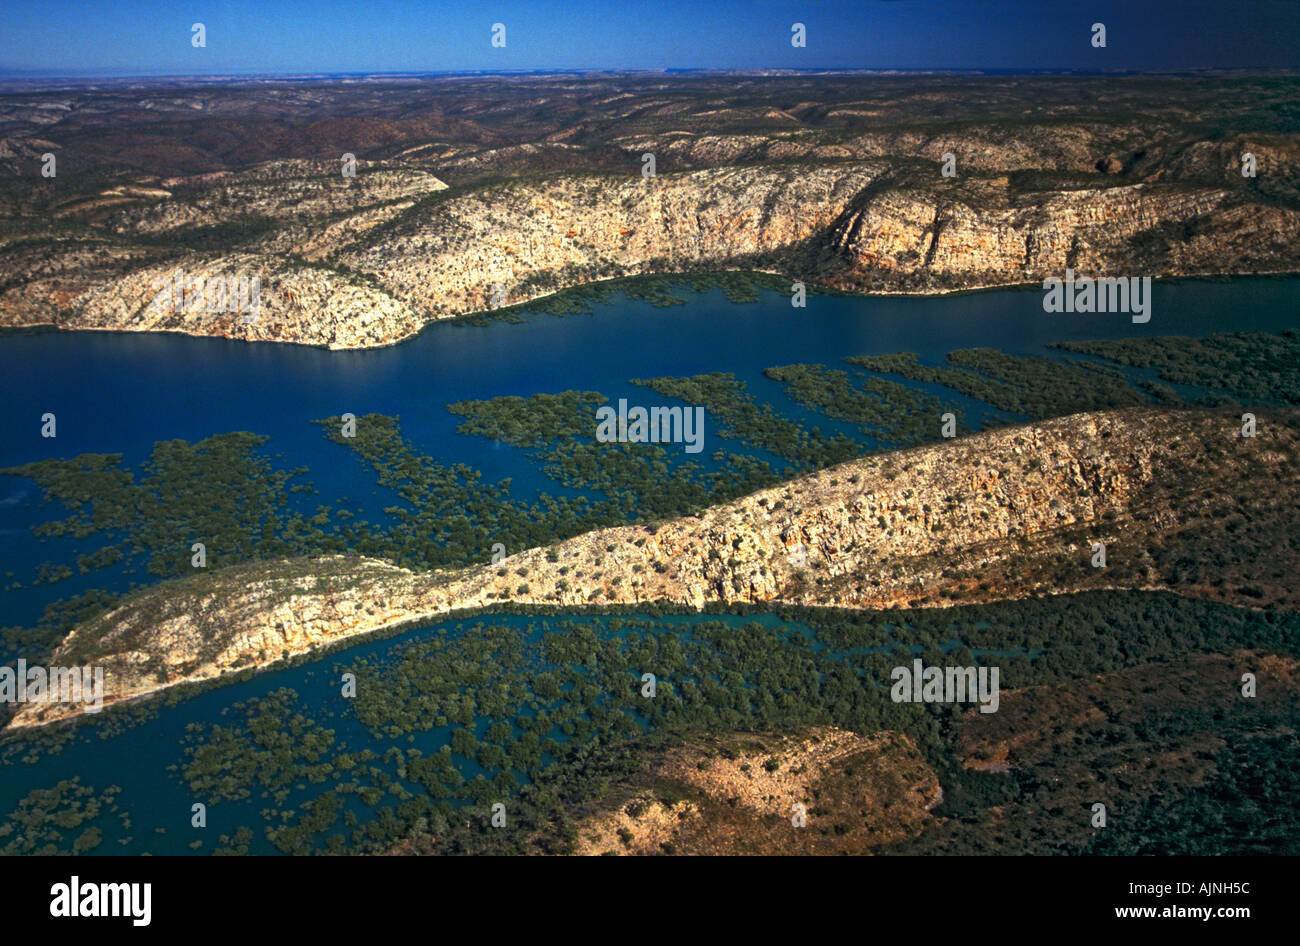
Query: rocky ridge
[[1008, 513], [471, 193], [370, 263]]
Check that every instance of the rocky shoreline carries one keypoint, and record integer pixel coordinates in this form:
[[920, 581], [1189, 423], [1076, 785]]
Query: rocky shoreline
[[367, 214], [845, 227], [1010, 513]]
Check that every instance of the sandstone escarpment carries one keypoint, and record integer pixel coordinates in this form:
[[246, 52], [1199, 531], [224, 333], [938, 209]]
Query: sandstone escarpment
[[533, 238], [349, 265], [353, 263], [474, 193], [958, 243], [1009, 513]]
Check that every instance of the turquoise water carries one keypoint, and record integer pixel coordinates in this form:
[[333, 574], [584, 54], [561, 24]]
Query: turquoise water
[[142, 759], [120, 393]]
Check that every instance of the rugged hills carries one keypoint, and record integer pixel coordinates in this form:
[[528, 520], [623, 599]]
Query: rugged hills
[[1145, 740], [1002, 514], [473, 194]]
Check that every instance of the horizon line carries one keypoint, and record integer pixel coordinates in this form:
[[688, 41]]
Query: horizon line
[[42, 76]]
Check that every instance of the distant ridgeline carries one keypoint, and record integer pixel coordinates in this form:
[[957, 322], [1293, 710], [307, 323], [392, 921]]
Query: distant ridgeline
[[224, 493]]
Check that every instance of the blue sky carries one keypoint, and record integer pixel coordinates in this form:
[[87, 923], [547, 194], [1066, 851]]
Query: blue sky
[[152, 37]]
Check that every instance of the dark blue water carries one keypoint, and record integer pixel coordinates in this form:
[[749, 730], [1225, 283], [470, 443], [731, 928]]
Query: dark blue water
[[142, 760], [121, 393]]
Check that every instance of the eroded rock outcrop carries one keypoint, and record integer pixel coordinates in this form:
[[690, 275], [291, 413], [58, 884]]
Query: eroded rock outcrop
[[368, 262], [743, 795], [1009, 513]]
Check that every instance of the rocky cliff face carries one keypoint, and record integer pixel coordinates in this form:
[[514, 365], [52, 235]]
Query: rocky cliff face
[[352, 265], [533, 238], [139, 274], [831, 180], [1008, 513], [905, 239]]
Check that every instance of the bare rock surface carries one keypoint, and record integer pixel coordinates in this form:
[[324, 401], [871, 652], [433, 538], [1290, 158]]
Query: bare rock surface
[[1003, 514]]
